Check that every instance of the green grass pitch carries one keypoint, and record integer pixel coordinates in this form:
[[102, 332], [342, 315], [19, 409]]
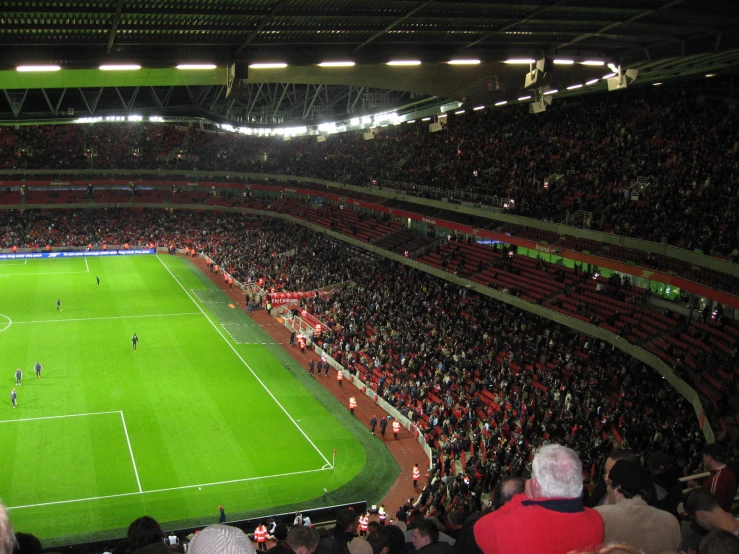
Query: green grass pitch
[[207, 411]]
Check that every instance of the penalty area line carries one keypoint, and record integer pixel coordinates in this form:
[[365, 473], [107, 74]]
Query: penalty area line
[[169, 489]]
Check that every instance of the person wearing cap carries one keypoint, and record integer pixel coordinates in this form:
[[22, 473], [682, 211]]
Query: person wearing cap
[[549, 518], [223, 539], [627, 516]]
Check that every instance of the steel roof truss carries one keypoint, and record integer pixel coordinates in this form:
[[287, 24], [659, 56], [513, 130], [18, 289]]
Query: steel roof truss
[[16, 100], [52, 107], [127, 105]]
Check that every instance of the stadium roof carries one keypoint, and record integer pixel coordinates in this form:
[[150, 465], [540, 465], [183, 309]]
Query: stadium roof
[[665, 39]]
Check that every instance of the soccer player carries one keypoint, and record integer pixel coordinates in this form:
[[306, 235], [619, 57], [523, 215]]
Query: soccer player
[[13, 396], [18, 376], [134, 341], [97, 279], [58, 305], [37, 367]]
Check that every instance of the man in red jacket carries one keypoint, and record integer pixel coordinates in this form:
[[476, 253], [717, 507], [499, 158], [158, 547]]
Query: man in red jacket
[[549, 518]]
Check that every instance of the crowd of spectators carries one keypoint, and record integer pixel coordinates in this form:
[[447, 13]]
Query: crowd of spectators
[[684, 144], [487, 383]]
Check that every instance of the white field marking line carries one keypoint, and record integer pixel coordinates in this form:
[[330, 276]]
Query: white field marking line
[[106, 318], [87, 266], [167, 489], [133, 461], [243, 361], [34, 274], [57, 416]]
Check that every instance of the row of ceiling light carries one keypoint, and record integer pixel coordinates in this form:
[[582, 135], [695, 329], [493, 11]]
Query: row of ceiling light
[[281, 65]]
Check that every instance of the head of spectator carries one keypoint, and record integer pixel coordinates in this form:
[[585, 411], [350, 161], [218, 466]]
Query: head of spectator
[[7, 537], [719, 542], [27, 544], [281, 531], [359, 545], [425, 533], [627, 480], [555, 473], [703, 508], [221, 539], [714, 456], [396, 539], [143, 532], [658, 463], [303, 540], [380, 540], [347, 521], [615, 456], [506, 489]]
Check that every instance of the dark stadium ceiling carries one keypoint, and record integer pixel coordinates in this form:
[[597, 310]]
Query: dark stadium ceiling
[[664, 39]]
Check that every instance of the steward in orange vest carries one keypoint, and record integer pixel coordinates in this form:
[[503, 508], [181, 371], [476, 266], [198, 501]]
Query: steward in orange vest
[[363, 525], [340, 376], [352, 404], [416, 475], [260, 535], [396, 428]]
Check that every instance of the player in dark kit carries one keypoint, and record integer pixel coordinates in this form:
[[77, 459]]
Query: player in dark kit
[[58, 305], [134, 341], [13, 396], [97, 279], [18, 376], [37, 368]]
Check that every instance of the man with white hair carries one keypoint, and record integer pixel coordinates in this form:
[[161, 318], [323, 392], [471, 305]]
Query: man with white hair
[[549, 518], [7, 537]]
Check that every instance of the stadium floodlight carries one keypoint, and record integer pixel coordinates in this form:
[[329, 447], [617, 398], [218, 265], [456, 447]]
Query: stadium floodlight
[[657, 84], [593, 62], [537, 74], [196, 66], [709, 75], [463, 62], [592, 82], [612, 67], [477, 108], [548, 92], [501, 103], [404, 62], [609, 75], [519, 61], [573, 87], [425, 119], [120, 67], [269, 65], [522, 98], [337, 64], [37, 68], [622, 78], [460, 112], [563, 62], [541, 101]]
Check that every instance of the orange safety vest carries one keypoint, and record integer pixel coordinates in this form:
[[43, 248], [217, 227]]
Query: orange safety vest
[[416, 473], [396, 426], [352, 402], [15, 249], [301, 342], [340, 375], [363, 523], [260, 533]]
